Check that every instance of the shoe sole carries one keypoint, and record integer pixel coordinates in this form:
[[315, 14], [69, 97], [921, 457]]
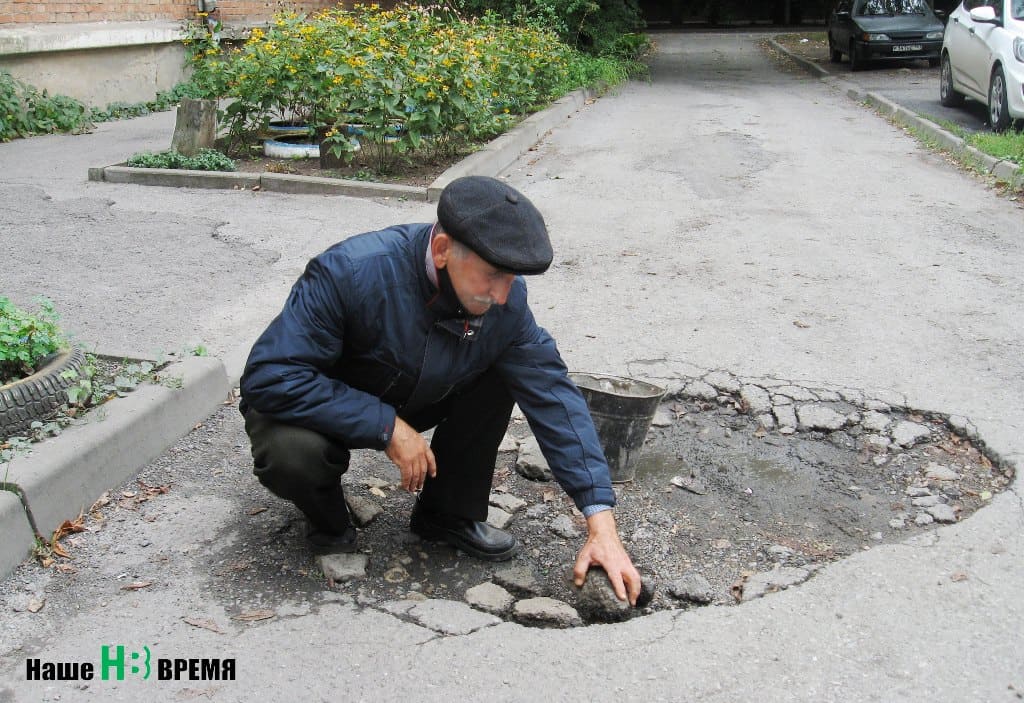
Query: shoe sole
[[446, 538]]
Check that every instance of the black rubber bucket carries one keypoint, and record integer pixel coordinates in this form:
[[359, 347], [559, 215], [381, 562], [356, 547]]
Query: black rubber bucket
[[622, 409]]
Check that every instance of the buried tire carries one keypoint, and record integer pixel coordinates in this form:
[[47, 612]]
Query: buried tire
[[38, 396]]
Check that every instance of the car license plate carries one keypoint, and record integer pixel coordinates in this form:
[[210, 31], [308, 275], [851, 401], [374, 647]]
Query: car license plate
[[899, 48]]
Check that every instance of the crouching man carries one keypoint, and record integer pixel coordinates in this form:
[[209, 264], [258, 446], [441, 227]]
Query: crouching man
[[420, 326]]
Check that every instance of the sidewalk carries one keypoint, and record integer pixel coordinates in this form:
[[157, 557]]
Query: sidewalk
[[695, 219]]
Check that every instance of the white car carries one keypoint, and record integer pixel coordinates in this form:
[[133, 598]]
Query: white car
[[983, 58]]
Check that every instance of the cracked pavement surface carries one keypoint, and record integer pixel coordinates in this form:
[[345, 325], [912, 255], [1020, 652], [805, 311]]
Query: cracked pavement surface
[[696, 219]]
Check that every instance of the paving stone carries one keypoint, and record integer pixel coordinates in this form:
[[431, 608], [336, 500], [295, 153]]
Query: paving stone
[[874, 421], [343, 567], [450, 617], [723, 381], [490, 597], [563, 527], [820, 417], [917, 491], [693, 587], [535, 512], [897, 524], [508, 443], [877, 442], [546, 611], [923, 519], [507, 502], [700, 390], [778, 579], [942, 513], [531, 463], [663, 417], [785, 415], [519, 580], [907, 434], [363, 510], [938, 472], [755, 400], [925, 501], [496, 517], [877, 405], [767, 421]]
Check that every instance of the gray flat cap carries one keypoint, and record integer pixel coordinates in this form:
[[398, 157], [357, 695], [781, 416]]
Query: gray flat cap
[[497, 222]]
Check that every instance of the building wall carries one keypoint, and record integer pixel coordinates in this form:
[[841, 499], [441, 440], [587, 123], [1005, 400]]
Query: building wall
[[63, 11]]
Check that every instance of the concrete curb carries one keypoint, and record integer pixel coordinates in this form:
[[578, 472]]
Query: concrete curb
[[61, 478], [488, 161], [1005, 171]]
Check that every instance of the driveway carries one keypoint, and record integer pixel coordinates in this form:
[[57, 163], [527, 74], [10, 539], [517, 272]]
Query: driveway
[[726, 215]]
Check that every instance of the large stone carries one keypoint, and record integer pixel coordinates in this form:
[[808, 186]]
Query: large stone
[[496, 517], [692, 587], [778, 579], [490, 597], [925, 501], [597, 599], [343, 567], [942, 513], [519, 580], [907, 434], [363, 510], [796, 393], [755, 400], [820, 417], [546, 611], [663, 417], [508, 443], [531, 463], [450, 617], [564, 527], [507, 502]]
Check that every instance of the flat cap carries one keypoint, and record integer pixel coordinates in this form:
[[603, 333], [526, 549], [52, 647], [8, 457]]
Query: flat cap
[[497, 222]]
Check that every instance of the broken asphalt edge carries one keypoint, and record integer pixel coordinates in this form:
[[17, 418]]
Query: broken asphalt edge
[[490, 160], [60, 479], [1001, 169]]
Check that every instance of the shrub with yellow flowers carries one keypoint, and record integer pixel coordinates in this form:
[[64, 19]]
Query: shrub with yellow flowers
[[390, 81]]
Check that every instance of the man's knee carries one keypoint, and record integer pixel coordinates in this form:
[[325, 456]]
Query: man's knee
[[283, 453]]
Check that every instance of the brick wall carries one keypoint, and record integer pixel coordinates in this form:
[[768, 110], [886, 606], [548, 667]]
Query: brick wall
[[42, 11]]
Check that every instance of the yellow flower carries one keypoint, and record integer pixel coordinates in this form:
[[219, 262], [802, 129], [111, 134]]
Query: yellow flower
[[337, 80]]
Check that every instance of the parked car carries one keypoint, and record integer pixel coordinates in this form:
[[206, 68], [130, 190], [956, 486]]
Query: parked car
[[884, 30], [983, 58]]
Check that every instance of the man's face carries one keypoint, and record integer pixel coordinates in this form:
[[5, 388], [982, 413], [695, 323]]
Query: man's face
[[477, 284]]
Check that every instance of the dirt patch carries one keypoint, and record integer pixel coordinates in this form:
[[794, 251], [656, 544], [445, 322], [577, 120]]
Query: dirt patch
[[737, 494], [418, 169]]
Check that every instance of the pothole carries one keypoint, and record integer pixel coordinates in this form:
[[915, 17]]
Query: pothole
[[742, 489]]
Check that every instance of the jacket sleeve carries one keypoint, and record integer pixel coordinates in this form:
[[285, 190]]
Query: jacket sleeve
[[538, 380], [285, 376]]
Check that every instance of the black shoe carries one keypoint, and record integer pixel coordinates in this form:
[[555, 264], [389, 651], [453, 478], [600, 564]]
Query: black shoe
[[326, 543], [476, 538]]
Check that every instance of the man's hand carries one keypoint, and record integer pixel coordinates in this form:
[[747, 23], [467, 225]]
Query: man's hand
[[603, 547], [411, 454]]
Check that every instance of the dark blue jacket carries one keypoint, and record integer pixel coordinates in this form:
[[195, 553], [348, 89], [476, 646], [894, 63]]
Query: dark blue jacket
[[364, 335]]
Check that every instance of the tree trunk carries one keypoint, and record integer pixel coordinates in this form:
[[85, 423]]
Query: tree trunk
[[196, 126]]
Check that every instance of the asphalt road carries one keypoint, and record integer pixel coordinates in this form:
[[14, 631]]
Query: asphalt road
[[726, 215]]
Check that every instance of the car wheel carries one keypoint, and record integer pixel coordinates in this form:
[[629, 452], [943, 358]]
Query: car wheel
[[947, 94], [998, 109], [834, 54], [856, 62]]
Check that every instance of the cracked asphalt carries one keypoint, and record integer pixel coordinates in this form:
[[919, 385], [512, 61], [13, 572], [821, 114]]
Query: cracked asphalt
[[696, 220]]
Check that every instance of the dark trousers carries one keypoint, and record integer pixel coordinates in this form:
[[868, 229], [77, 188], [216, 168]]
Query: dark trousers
[[305, 467]]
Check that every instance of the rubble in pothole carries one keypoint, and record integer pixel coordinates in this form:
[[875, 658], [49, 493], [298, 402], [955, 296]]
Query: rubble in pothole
[[743, 487]]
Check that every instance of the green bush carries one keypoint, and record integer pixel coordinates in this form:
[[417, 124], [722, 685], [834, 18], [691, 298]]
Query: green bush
[[25, 110], [27, 339], [205, 160]]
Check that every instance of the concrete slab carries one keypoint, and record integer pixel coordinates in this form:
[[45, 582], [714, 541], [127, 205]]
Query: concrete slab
[[178, 178], [314, 185]]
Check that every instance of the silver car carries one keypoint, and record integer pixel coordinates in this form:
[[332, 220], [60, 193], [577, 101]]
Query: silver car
[[983, 58]]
